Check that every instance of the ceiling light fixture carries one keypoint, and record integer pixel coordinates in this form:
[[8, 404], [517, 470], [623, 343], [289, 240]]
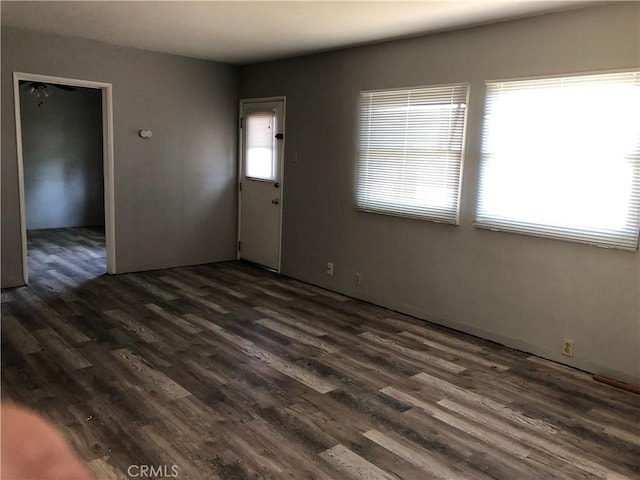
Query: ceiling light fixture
[[39, 90]]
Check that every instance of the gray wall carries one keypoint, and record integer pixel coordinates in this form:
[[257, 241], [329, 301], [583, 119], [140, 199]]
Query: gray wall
[[175, 199], [525, 292], [62, 155]]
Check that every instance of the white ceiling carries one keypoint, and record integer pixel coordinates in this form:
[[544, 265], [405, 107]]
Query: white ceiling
[[250, 31]]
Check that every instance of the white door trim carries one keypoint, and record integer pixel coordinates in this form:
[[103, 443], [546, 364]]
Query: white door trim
[[282, 99], [107, 160]]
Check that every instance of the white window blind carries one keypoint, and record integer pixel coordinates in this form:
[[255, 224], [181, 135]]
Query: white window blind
[[561, 158], [410, 151], [261, 148]]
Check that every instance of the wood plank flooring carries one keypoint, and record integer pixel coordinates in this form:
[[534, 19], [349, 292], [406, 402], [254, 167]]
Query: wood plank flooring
[[227, 371]]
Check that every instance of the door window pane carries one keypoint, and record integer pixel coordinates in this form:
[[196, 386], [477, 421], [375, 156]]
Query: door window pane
[[260, 150]]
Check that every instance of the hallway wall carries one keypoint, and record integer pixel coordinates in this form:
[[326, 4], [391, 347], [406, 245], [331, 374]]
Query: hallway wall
[[62, 155]]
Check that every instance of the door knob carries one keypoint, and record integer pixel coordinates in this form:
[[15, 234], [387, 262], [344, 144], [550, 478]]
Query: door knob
[[276, 185], [275, 201]]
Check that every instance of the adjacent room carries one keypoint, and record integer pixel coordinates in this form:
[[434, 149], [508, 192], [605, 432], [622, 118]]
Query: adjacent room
[[62, 149], [332, 240]]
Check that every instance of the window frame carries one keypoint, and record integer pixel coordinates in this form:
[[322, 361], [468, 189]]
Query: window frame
[[274, 160], [455, 219], [537, 229]]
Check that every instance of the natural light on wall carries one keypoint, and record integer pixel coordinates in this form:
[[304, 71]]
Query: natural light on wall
[[561, 158]]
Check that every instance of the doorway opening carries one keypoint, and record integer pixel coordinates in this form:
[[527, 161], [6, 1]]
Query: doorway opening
[[261, 181], [65, 170]]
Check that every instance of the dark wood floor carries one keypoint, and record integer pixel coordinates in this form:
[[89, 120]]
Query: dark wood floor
[[232, 372]]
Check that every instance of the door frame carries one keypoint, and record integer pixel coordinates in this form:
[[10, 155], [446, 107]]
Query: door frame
[[243, 101], [107, 160]]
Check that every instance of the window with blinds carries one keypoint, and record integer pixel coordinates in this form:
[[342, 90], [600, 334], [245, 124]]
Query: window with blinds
[[410, 152], [561, 158], [260, 162]]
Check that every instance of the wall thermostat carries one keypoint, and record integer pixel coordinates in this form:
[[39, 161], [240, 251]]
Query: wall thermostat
[[145, 133]]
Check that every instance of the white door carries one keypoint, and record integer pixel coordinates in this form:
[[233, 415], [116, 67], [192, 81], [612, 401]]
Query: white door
[[260, 188]]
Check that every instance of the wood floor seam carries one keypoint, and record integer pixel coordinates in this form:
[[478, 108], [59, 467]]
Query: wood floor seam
[[231, 372]]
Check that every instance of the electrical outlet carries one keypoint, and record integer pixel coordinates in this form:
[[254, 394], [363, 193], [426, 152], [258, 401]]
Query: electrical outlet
[[329, 268], [567, 347], [358, 279]]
